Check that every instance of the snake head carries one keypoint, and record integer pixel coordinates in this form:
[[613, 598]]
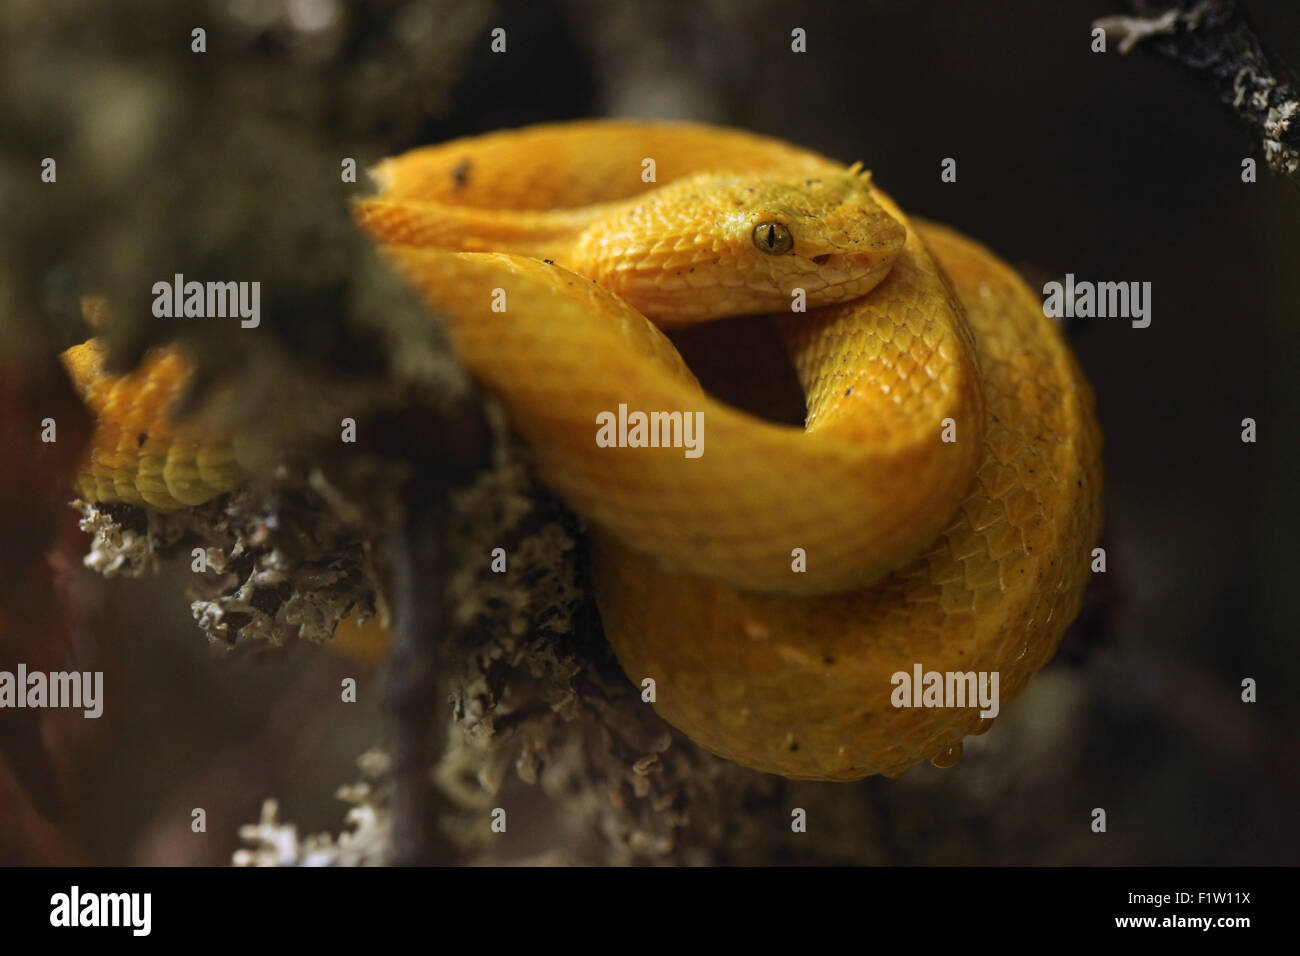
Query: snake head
[[714, 245]]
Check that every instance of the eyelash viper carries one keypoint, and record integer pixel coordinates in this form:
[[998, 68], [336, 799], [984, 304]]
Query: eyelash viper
[[957, 555]]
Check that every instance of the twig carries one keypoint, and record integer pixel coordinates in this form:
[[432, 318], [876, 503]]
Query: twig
[[419, 607], [423, 616], [1216, 41]]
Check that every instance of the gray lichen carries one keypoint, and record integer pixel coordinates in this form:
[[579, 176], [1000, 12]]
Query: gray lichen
[[275, 563], [364, 842]]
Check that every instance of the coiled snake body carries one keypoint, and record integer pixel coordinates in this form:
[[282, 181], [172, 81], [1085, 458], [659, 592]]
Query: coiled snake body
[[938, 510]]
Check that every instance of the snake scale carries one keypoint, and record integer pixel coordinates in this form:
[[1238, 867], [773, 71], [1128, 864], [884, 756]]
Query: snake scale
[[938, 508]]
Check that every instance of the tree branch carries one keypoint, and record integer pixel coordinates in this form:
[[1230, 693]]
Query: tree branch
[[1217, 42], [446, 450]]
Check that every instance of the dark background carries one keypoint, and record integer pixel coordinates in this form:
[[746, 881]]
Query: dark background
[[1111, 167]]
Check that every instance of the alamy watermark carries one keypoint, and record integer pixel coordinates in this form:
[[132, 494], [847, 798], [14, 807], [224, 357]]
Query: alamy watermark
[[923, 688], [626, 429], [1102, 300], [57, 689], [208, 300], [75, 908]]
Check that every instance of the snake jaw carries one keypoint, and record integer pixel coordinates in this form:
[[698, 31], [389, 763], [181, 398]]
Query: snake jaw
[[842, 265], [852, 252], [837, 276]]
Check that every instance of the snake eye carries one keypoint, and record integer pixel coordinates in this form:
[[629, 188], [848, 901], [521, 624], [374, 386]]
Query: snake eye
[[773, 238]]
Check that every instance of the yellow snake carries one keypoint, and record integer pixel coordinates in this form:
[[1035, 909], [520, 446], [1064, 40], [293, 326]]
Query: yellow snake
[[938, 510]]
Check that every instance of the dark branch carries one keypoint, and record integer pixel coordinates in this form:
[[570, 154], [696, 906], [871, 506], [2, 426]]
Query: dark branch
[[1216, 41], [447, 450]]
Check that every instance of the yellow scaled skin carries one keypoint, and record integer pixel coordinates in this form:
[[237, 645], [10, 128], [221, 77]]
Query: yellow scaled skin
[[968, 555], [138, 454]]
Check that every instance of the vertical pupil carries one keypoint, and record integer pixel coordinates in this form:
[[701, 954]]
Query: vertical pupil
[[771, 236]]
